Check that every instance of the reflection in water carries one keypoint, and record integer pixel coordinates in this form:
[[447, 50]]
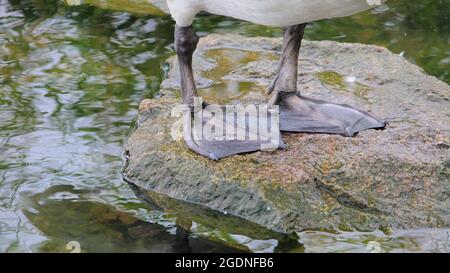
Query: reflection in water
[[98, 227], [421, 240], [71, 79], [69, 91], [226, 229]]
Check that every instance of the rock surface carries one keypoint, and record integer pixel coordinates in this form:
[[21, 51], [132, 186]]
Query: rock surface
[[396, 178]]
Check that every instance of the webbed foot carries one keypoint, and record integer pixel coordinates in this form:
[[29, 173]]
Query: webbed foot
[[217, 136], [206, 130], [302, 114]]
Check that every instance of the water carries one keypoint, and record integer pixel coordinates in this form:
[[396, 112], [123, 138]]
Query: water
[[71, 78]]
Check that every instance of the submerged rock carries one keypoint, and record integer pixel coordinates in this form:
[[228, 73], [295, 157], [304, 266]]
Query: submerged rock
[[397, 178]]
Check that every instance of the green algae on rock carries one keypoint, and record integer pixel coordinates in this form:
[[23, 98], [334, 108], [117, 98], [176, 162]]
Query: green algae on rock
[[397, 178]]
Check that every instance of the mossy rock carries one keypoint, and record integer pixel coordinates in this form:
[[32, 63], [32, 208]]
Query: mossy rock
[[396, 178]]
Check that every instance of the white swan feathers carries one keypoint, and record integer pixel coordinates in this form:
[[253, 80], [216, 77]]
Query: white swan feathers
[[269, 12]]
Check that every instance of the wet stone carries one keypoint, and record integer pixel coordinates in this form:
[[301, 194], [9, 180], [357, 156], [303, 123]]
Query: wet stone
[[397, 178]]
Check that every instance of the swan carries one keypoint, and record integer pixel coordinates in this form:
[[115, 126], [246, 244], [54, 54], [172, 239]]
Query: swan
[[275, 13], [296, 112]]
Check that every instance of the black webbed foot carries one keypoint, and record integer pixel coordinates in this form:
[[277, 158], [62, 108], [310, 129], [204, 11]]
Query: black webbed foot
[[302, 114], [216, 136]]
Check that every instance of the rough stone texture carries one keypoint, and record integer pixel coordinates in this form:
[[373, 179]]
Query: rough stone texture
[[396, 178]]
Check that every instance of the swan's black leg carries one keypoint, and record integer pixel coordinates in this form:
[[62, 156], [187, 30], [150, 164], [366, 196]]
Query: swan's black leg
[[286, 79], [301, 114], [217, 143], [186, 41]]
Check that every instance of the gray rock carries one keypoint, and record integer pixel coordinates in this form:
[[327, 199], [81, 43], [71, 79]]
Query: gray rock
[[396, 178]]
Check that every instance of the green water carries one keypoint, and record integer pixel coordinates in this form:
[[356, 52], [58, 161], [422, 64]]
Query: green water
[[71, 78]]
